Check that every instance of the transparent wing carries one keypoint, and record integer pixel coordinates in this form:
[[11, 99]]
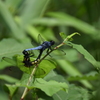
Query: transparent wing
[[57, 54], [40, 39]]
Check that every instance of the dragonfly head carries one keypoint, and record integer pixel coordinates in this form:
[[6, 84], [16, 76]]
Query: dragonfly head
[[52, 42], [25, 53]]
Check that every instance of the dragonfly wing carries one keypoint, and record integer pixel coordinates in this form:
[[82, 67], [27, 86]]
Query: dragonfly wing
[[57, 54], [40, 39]]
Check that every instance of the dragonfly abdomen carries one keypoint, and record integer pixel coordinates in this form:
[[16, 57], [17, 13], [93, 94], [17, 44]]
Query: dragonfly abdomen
[[36, 48]]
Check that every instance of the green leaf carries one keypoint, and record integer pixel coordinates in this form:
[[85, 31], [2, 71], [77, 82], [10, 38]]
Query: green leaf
[[9, 60], [44, 67], [69, 37], [42, 70], [77, 93], [25, 78], [50, 87], [10, 47], [10, 89], [85, 77], [8, 78], [4, 64], [86, 54], [13, 4], [54, 76], [65, 19], [71, 70], [60, 95], [63, 35]]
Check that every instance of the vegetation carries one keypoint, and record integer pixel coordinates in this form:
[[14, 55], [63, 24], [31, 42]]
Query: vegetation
[[57, 76]]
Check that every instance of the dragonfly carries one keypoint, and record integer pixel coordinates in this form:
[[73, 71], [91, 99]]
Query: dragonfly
[[45, 45]]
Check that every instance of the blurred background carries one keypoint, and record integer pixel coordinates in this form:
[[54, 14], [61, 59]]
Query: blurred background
[[22, 20]]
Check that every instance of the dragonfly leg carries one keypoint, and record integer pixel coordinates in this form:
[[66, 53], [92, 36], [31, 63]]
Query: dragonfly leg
[[48, 51], [41, 51], [38, 58]]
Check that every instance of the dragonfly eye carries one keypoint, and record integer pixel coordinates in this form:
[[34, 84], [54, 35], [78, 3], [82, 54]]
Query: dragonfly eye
[[52, 42]]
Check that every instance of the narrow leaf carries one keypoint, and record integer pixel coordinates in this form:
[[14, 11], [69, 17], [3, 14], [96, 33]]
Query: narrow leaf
[[8, 18], [8, 78], [86, 54]]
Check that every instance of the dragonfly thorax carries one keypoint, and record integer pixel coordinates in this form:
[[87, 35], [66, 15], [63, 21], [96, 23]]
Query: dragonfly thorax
[[47, 44]]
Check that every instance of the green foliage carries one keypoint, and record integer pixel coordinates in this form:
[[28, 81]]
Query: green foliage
[[43, 69], [49, 87], [75, 93], [10, 89], [8, 78], [71, 21], [78, 93], [9, 50], [20, 23], [86, 54], [85, 77]]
